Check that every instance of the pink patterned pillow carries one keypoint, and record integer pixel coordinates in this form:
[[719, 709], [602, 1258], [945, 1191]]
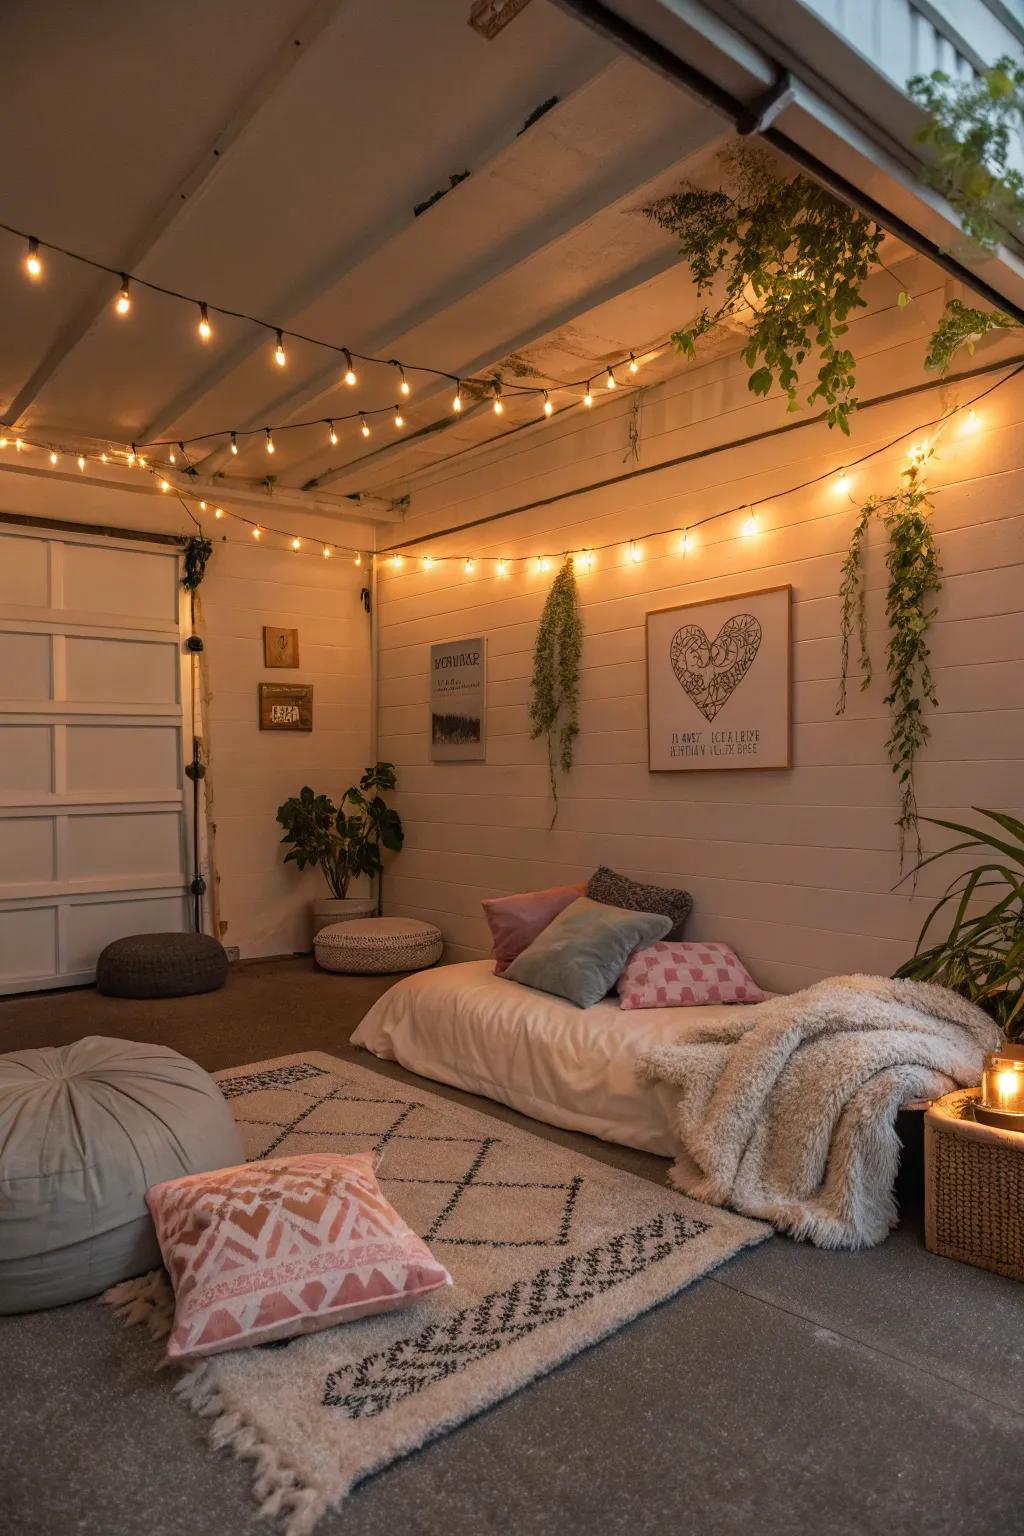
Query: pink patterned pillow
[[283, 1247], [671, 974], [515, 921]]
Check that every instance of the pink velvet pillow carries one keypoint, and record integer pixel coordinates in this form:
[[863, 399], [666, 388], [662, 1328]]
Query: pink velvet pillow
[[674, 974], [515, 921], [273, 1249]]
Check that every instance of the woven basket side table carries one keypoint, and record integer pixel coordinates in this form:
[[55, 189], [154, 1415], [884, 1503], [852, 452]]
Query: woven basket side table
[[974, 1187]]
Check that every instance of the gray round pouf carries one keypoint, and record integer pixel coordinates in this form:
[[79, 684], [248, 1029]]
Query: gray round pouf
[[161, 965], [378, 945], [85, 1130]]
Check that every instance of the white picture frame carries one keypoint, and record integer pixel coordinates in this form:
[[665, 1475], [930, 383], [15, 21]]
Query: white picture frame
[[458, 704]]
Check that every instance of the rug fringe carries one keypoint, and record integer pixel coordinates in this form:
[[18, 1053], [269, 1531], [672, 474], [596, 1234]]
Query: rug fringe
[[146, 1301]]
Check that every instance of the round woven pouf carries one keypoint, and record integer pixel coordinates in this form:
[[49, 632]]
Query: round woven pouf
[[85, 1130], [161, 965], [376, 945]]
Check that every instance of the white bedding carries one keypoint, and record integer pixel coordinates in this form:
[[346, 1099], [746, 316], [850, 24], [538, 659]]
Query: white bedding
[[567, 1066]]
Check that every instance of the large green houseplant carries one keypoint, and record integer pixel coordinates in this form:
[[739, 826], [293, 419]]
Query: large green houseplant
[[982, 953], [344, 841]]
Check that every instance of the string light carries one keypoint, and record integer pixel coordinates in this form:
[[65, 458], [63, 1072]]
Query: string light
[[970, 423], [204, 327], [687, 542], [365, 428], [588, 398], [173, 456], [270, 440], [634, 366], [124, 298], [403, 382], [843, 483], [457, 402], [202, 506], [349, 375], [396, 562], [327, 551], [256, 532], [332, 435], [469, 567], [33, 261], [19, 444], [53, 456], [131, 457], [3, 442], [296, 544], [218, 513], [502, 568], [279, 357], [611, 382], [541, 564], [428, 564], [165, 485], [750, 525], [585, 560], [234, 444], [548, 407], [399, 419], [499, 404], [357, 559], [103, 458], [81, 463], [635, 553]]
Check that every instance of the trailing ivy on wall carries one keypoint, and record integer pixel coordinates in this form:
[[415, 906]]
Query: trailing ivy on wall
[[794, 255], [197, 551], [554, 703], [915, 577]]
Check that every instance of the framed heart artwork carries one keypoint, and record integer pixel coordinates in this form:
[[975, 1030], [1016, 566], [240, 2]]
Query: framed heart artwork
[[719, 681]]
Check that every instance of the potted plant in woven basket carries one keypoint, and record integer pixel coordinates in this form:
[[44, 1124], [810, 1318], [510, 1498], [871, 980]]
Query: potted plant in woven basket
[[344, 841]]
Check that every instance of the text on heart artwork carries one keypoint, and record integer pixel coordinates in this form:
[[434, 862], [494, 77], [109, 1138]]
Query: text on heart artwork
[[714, 743]]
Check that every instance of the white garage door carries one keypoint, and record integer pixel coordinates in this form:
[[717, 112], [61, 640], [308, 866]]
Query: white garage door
[[94, 821]]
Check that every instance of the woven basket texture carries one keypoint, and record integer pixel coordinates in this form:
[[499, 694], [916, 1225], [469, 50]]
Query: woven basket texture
[[974, 1188]]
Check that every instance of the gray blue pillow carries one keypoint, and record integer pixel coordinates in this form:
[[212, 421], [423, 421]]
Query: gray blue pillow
[[582, 952]]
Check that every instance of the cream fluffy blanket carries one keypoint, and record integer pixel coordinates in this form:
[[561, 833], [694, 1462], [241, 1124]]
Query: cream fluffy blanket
[[787, 1110]]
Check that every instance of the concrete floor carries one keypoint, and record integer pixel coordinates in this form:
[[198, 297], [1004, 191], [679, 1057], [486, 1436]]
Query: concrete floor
[[792, 1391]]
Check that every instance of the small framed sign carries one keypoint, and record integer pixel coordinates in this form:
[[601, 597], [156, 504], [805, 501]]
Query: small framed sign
[[280, 647], [286, 706], [718, 683], [457, 708]]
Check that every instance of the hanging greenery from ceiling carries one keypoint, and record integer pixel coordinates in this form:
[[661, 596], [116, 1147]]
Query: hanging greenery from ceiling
[[792, 254], [554, 703], [197, 551], [915, 577]]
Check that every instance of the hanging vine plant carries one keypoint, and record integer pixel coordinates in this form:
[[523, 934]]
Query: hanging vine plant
[[794, 255], [197, 551], [915, 576], [555, 686]]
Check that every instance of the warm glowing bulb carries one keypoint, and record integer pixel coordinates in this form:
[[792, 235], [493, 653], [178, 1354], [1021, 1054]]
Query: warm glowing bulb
[[584, 560], [33, 261], [3, 442], [499, 404], [124, 298], [357, 560], [365, 428], [327, 551], [205, 328], [970, 423], [468, 567], [142, 461], [131, 457], [81, 462], [19, 444], [234, 443], [687, 542], [165, 485], [396, 562], [502, 568], [296, 543], [588, 398], [332, 434], [428, 564], [611, 382], [103, 458], [173, 456], [635, 553], [349, 375], [403, 385], [634, 366], [257, 531], [750, 525], [270, 440], [218, 513], [279, 357], [540, 564], [843, 483], [202, 506], [399, 418], [548, 407], [457, 402], [53, 456]]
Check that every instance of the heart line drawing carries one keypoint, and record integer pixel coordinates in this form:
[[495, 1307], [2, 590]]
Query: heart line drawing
[[709, 671]]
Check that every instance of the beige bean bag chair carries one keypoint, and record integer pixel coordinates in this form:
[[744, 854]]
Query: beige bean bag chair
[[84, 1131]]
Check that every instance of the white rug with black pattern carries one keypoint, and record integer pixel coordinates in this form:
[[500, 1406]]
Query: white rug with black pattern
[[549, 1250]]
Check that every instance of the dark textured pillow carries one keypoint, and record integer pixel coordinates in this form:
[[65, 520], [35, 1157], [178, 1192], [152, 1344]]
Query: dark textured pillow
[[619, 891], [582, 952]]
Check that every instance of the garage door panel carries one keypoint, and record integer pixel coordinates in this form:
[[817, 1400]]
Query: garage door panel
[[123, 758], [124, 846], [120, 671], [88, 926], [125, 583], [29, 949], [26, 851], [25, 668], [26, 759], [24, 571]]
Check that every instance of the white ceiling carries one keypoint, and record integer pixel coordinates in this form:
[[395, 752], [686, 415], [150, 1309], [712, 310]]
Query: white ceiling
[[267, 157]]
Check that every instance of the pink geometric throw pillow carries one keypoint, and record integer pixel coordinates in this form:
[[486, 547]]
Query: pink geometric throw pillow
[[273, 1249], [671, 974], [515, 921]]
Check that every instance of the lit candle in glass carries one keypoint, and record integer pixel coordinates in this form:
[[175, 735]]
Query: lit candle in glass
[[1002, 1089]]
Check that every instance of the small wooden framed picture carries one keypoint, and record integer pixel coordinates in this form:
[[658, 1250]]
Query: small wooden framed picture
[[719, 683], [280, 647], [286, 706]]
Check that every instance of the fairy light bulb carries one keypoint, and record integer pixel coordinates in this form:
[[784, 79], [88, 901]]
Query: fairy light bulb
[[53, 455], [349, 376], [843, 483], [750, 524], [81, 462], [218, 513], [687, 542], [234, 444], [296, 544], [204, 327], [165, 485], [332, 435], [634, 366], [396, 562], [635, 553], [33, 260], [19, 443], [3, 442], [142, 461], [357, 559], [270, 439], [970, 423], [457, 402], [588, 398], [202, 506], [399, 418], [103, 458], [540, 565], [548, 407], [403, 382], [428, 564], [499, 404], [468, 567], [131, 456], [327, 551], [585, 560], [611, 382], [257, 532], [502, 568], [365, 425], [124, 298], [279, 355], [173, 457]]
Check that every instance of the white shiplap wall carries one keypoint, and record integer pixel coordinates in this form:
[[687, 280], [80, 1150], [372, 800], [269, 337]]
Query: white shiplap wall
[[794, 868]]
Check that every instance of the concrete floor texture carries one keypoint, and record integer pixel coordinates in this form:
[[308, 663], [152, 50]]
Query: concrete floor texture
[[791, 1391]]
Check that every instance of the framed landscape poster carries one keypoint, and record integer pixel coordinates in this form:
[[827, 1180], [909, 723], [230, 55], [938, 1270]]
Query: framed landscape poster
[[718, 683], [457, 708], [286, 706]]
